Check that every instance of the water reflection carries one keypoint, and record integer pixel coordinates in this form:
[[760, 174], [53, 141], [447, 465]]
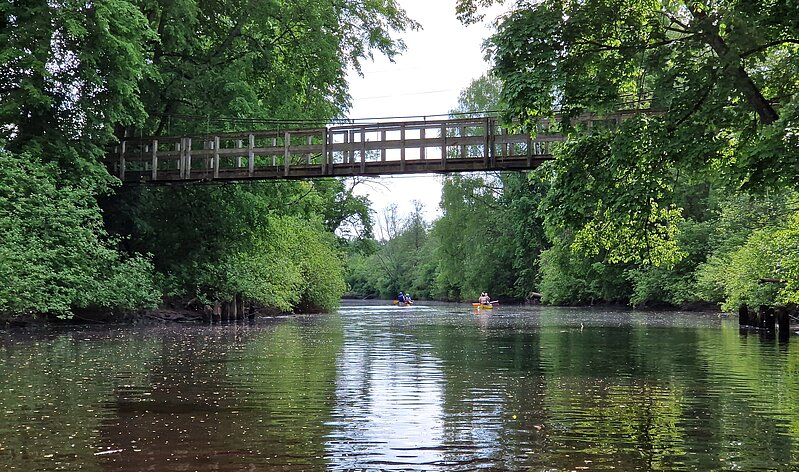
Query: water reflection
[[389, 392], [435, 387]]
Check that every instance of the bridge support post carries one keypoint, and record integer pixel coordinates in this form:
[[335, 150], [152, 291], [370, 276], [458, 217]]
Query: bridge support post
[[443, 146]]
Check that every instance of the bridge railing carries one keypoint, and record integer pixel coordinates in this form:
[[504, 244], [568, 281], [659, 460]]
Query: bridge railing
[[449, 145]]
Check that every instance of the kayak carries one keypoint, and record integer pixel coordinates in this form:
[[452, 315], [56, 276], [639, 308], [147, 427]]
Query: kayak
[[482, 306], [396, 302]]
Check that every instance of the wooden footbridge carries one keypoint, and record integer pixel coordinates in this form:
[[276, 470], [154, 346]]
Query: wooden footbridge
[[404, 147]]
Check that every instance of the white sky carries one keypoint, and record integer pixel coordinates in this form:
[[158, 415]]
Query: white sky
[[441, 60]]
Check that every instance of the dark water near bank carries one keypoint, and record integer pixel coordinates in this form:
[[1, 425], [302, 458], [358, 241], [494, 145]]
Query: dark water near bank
[[420, 388]]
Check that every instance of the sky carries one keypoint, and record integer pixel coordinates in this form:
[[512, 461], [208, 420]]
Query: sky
[[440, 61]]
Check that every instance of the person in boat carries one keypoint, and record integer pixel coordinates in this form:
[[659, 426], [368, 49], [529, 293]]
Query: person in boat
[[401, 298], [484, 299], [408, 299]]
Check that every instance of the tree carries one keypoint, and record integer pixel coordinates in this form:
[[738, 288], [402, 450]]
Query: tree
[[721, 78]]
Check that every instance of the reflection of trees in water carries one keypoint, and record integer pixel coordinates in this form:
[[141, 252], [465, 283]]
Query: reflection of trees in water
[[230, 397]]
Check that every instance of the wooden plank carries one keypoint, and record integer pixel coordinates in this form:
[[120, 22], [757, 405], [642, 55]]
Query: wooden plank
[[383, 150]]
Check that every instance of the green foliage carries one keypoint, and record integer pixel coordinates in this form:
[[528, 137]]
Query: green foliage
[[79, 75], [571, 278], [742, 253], [762, 271], [55, 256], [720, 82], [71, 73]]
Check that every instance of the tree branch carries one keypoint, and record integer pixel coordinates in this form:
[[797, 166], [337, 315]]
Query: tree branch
[[733, 66], [768, 45]]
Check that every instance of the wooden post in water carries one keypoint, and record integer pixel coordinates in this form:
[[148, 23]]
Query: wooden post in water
[[217, 317], [783, 323], [239, 307], [767, 319], [743, 316]]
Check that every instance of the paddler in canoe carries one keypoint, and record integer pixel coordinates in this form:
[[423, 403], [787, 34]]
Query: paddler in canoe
[[403, 300]]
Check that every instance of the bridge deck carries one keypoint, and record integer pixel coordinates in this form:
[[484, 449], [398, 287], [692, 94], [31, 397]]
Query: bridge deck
[[430, 146]]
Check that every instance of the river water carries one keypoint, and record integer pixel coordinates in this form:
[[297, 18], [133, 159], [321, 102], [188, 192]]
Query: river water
[[438, 387]]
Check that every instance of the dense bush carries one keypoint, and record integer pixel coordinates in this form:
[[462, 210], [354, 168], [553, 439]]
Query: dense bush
[[55, 256]]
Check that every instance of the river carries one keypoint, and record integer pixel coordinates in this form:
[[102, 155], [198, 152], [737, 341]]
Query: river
[[435, 387]]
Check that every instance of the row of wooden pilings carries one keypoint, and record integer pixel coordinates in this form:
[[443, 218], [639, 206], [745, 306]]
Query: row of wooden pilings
[[224, 312], [767, 319]]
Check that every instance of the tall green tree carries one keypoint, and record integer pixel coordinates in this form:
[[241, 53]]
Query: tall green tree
[[71, 71]]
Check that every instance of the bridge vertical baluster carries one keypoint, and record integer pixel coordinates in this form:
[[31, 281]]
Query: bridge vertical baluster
[[444, 145], [216, 157], [529, 150], [154, 174], [187, 153], [351, 147], [422, 143], [251, 154], [207, 164], [402, 148], [363, 149], [179, 150], [122, 160], [274, 157], [286, 153], [308, 156], [325, 137], [383, 146], [461, 135], [503, 150], [487, 144], [239, 145]]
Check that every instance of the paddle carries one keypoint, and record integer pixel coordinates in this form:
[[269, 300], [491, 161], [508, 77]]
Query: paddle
[[493, 301]]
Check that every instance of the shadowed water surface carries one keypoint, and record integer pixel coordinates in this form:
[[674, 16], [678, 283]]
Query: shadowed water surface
[[438, 387]]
